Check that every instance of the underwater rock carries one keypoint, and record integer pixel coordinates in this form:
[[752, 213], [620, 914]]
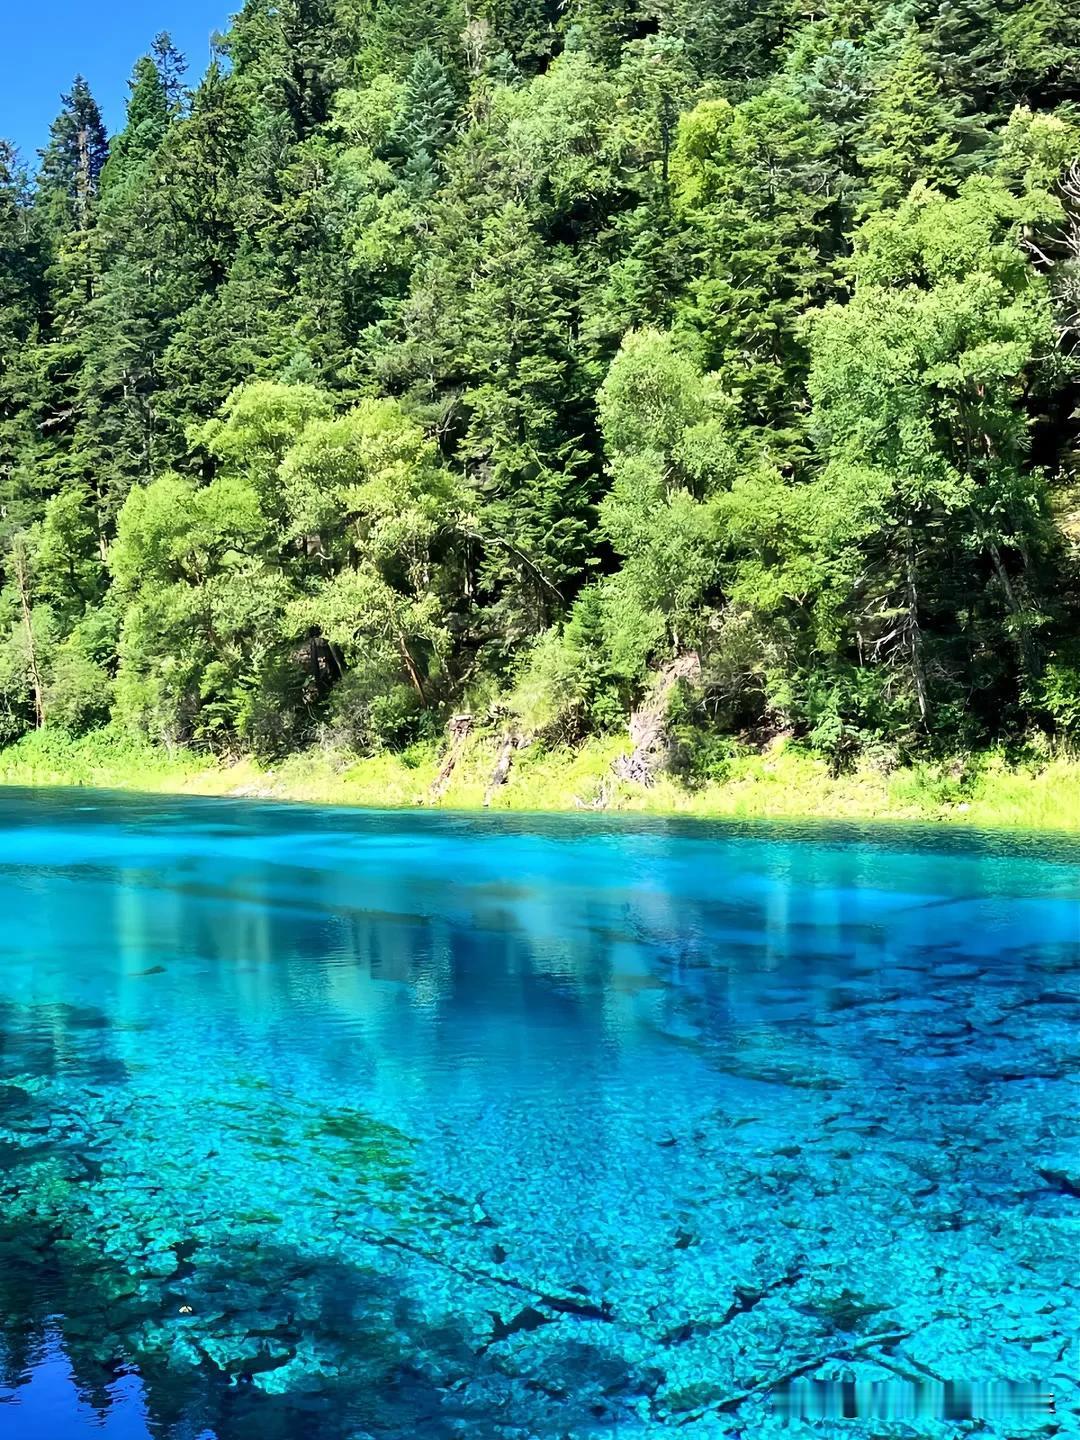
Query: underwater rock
[[525, 1321], [480, 1216], [1062, 1175]]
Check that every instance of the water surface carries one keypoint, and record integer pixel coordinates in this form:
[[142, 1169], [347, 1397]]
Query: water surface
[[322, 1125]]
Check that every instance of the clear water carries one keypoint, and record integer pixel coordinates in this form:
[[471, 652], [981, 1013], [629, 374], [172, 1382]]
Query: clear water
[[318, 1125]]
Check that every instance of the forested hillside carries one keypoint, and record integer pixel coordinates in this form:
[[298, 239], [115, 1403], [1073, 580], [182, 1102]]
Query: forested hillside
[[488, 355]]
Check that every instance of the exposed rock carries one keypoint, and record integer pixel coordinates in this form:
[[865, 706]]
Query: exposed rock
[[459, 730], [480, 1215], [648, 724], [511, 742]]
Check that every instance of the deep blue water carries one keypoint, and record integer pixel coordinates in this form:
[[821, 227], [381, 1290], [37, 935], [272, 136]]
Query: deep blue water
[[322, 1125]]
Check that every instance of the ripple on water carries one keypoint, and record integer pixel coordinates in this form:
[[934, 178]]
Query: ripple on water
[[331, 1125]]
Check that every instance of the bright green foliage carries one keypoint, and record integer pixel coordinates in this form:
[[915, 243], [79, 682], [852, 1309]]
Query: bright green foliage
[[422, 357], [926, 529], [668, 434], [571, 682], [202, 611], [174, 531], [260, 423], [754, 182], [913, 132], [69, 567], [368, 492]]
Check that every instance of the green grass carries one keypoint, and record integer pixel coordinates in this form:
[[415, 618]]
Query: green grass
[[785, 782]]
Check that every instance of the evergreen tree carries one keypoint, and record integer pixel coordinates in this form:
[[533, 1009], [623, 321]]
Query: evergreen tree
[[428, 111], [912, 131], [965, 39], [755, 183], [522, 447], [22, 302], [148, 117], [733, 41], [72, 163], [171, 67]]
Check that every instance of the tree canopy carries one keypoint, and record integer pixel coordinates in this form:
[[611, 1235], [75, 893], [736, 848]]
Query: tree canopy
[[419, 358]]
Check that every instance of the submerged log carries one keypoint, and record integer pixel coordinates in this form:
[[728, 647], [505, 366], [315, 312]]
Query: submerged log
[[648, 723]]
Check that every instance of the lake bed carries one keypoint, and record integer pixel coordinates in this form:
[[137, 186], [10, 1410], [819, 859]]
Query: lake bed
[[329, 1124]]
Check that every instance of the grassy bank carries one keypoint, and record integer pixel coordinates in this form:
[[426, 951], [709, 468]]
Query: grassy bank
[[782, 783]]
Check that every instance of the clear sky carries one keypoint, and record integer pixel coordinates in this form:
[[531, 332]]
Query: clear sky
[[44, 44]]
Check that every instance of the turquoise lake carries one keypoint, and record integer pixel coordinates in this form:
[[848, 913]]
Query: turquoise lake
[[325, 1125]]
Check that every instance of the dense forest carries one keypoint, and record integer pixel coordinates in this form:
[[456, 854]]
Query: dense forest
[[492, 355]]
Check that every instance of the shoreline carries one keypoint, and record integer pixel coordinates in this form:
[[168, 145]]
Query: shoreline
[[981, 792]]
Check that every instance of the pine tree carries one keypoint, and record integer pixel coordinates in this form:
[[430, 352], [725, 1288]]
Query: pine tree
[[134, 305], [1041, 39], [605, 26], [755, 185], [72, 163], [22, 300], [171, 67], [67, 199], [912, 130], [382, 39], [735, 41], [428, 113], [964, 39], [526, 29], [522, 446], [148, 117], [292, 56]]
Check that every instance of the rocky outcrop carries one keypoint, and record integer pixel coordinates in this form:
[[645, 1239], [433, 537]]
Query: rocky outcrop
[[459, 730], [512, 741], [648, 723]]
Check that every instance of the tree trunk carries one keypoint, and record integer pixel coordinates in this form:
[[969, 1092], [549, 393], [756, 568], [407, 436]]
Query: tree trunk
[[410, 666], [918, 669], [460, 729], [22, 583], [501, 773], [1016, 608]]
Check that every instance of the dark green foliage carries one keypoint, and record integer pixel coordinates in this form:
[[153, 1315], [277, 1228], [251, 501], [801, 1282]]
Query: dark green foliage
[[428, 112], [72, 163], [22, 302], [429, 355]]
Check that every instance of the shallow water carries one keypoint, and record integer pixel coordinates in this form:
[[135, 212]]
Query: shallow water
[[318, 1125]]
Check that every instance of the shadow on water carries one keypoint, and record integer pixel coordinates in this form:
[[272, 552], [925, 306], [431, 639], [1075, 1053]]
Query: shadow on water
[[231, 1332], [279, 1345]]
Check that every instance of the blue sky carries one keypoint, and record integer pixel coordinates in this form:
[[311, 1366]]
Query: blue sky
[[45, 43]]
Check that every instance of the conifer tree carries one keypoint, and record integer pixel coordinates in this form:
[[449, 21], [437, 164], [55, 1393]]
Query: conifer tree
[[148, 117], [912, 128], [22, 301], [428, 110], [171, 67], [72, 163]]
